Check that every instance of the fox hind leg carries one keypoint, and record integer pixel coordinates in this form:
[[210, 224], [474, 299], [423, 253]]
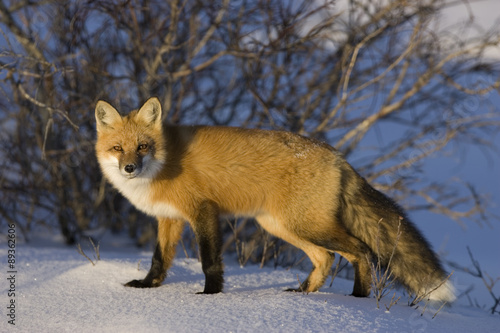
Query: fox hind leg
[[169, 233], [360, 257], [351, 248], [362, 274], [322, 261], [322, 258]]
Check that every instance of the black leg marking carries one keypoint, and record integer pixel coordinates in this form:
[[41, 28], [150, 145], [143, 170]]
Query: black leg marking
[[207, 230], [156, 275]]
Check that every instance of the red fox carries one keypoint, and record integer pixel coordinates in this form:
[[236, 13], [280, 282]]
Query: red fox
[[299, 189]]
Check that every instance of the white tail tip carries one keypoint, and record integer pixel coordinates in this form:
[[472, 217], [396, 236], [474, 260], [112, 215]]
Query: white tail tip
[[443, 293]]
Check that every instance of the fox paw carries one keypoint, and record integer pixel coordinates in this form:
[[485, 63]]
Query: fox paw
[[139, 284], [296, 290], [207, 292]]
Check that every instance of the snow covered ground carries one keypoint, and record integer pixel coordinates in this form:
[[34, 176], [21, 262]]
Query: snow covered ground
[[58, 290]]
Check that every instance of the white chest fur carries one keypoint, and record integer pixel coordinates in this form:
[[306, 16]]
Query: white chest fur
[[138, 191]]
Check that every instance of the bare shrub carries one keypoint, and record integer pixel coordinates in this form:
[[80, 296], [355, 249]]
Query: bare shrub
[[489, 282]]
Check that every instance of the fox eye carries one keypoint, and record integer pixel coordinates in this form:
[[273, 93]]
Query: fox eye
[[143, 146], [117, 148]]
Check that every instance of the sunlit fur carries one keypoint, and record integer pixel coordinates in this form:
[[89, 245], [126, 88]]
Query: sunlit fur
[[298, 189]]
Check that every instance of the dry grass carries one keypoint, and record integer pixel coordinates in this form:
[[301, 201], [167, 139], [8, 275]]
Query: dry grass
[[97, 255]]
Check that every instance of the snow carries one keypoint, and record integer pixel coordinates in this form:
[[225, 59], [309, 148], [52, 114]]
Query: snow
[[58, 290]]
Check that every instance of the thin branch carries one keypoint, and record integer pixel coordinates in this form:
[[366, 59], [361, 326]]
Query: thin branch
[[29, 45], [185, 72], [79, 249], [49, 108], [346, 77]]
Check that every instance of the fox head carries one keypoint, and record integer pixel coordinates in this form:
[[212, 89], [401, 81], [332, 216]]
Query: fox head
[[131, 146]]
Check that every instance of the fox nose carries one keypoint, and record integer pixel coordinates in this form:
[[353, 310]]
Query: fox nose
[[129, 168]]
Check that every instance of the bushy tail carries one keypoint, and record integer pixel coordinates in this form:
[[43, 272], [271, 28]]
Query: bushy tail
[[380, 223]]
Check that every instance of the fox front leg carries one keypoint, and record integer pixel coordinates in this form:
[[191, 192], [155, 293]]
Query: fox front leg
[[169, 233], [208, 234]]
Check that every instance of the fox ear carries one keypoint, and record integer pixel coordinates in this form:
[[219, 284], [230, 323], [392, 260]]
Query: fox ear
[[106, 116], [150, 112]]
